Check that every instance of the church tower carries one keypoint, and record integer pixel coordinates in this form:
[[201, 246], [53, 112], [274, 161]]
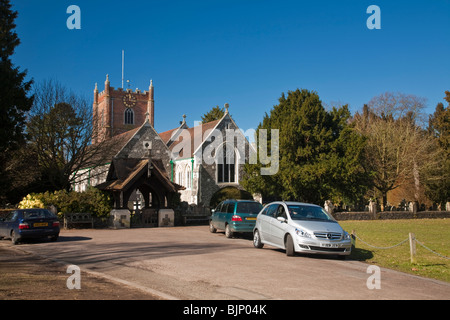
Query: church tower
[[116, 111]]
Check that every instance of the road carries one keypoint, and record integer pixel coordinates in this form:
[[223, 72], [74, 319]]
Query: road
[[191, 263]]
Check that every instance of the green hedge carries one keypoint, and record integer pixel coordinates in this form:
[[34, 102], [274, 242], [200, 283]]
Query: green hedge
[[229, 193], [92, 201]]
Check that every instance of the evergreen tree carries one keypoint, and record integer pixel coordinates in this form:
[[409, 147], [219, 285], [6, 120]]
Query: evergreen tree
[[319, 153], [215, 113], [437, 183], [14, 99]]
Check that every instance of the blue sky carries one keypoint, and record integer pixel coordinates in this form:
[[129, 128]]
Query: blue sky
[[246, 53]]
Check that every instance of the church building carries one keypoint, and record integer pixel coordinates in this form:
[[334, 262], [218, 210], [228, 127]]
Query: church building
[[144, 169]]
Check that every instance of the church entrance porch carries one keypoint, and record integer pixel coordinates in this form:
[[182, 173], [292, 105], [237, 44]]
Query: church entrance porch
[[125, 178]]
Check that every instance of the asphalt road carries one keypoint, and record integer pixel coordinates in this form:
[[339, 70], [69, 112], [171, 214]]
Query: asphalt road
[[191, 263]]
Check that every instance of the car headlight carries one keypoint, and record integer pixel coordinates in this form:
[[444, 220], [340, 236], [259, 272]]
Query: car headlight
[[346, 236], [302, 233]]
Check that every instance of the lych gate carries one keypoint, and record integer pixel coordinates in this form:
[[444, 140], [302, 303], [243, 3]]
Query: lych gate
[[125, 176]]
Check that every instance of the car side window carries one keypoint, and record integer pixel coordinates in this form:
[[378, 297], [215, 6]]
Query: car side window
[[230, 208], [281, 212], [271, 210], [224, 207], [219, 207], [12, 216], [264, 212]]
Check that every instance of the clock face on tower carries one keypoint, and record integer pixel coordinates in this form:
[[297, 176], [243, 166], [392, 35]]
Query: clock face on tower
[[129, 100]]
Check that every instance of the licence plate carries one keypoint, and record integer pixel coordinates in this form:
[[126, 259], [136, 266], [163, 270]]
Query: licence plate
[[41, 224], [329, 245], [250, 218]]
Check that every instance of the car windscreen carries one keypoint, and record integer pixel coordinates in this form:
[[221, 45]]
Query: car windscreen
[[37, 214], [300, 212], [248, 207]]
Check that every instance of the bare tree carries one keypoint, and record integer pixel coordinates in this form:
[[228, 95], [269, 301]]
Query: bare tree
[[398, 149], [60, 131], [399, 105]]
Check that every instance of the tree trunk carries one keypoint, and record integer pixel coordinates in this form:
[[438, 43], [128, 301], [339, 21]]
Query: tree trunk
[[383, 205]]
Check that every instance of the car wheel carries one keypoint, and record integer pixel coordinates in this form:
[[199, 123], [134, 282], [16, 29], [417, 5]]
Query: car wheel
[[54, 238], [228, 232], [211, 227], [289, 245], [257, 240], [14, 238]]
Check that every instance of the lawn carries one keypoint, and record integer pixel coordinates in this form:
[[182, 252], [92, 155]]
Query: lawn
[[433, 233]]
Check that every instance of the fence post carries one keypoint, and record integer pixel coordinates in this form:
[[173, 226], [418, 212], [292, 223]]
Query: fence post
[[412, 247], [353, 236]]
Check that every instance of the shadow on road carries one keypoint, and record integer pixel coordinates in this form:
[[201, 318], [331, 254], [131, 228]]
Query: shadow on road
[[72, 238], [47, 240], [361, 254]]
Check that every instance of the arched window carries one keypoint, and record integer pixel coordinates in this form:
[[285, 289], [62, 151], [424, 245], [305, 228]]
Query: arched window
[[180, 176], [188, 178], [129, 116], [226, 164]]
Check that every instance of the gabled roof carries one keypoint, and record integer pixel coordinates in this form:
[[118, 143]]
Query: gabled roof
[[136, 134], [101, 153], [173, 139], [196, 135], [123, 174], [171, 135]]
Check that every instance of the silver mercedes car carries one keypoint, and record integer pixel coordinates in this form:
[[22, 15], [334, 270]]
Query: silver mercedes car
[[300, 227]]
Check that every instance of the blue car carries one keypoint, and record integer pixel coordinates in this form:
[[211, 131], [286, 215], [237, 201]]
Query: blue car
[[234, 216], [29, 224]]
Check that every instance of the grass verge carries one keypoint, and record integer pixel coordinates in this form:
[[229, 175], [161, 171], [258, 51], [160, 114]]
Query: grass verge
[[433, 233]]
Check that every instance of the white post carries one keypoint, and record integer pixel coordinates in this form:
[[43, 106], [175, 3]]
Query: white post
[[412, 247]]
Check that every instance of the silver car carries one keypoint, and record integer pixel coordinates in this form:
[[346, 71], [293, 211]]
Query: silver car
[[300, 227]]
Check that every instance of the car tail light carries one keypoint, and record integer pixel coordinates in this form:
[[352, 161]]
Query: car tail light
[[23, 226], [55, 224], [236, 218]]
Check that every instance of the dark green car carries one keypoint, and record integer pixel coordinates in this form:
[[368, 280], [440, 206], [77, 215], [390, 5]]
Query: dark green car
[[234, 216]]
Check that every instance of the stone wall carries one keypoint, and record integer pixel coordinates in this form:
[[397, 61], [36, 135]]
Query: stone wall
[[340, 216], [207, 173]]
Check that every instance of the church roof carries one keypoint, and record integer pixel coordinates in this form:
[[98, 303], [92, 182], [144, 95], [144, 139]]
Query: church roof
[[196, 134], [166, 135], [123, 174], [103, 152]]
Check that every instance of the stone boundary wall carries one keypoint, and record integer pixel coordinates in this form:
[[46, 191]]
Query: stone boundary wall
[[387, 215], [340, 216]]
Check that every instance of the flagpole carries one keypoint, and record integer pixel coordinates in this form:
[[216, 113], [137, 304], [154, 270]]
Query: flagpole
[[123, 63]]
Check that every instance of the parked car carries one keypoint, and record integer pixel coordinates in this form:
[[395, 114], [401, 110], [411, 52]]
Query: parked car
[[29, 223], [300, 227], [234, 216]]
